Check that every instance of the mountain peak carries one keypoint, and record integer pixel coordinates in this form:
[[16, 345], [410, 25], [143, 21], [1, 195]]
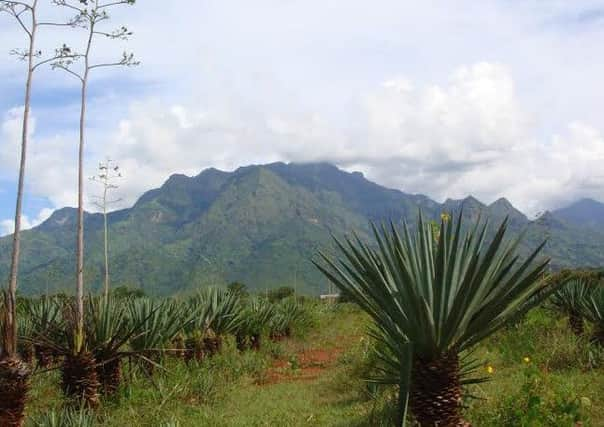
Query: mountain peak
[[176, 178], [468, 201], [502, 202], [502, 207], [584, 212], [66, 217], [548, 219], [471, 200], [61, 216]]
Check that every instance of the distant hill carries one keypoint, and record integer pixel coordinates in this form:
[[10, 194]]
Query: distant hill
[[585, 213], [259, 225]]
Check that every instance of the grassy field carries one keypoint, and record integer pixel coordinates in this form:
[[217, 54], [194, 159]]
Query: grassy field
[[540, 375]]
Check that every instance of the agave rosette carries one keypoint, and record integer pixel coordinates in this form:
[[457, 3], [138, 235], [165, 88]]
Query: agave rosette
[[432, 298]]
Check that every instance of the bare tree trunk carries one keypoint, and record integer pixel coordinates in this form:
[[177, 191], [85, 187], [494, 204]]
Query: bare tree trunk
[[106, 232], [92, 13], [11, 303], [80, 229]]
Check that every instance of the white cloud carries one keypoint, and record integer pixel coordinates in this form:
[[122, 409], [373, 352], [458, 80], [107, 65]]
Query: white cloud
[[467, 136], [7, 226], [472, 136], [375, 88], [50, 171]]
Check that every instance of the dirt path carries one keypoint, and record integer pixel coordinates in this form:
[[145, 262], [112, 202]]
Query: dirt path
[[304, 365]]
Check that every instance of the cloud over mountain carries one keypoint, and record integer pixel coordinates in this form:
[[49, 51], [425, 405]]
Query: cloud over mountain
[[418, 96]]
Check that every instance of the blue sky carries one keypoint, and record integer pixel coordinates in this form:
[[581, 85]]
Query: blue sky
[[491, 98]]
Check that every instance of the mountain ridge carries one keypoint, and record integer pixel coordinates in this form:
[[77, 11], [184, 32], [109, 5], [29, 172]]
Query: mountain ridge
[[587, 212], [259, 224]]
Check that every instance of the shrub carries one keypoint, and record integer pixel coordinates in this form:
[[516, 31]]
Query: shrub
[[539, 402]]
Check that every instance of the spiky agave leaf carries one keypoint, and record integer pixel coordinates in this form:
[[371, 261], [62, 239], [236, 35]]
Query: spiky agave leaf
[[108, 330], [223, 310], [441, 297], [289, 313], [157, 323], [201, 312], [573, 292], [48, 325], [66, 418], [593, 309], [54, 321], [25, 335], [200, 307], [256, 316], [216, 312], [79, 380]]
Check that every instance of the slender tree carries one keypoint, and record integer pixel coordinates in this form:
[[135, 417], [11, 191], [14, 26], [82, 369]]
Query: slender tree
[[79, 377], [108, 171], [14, 374]]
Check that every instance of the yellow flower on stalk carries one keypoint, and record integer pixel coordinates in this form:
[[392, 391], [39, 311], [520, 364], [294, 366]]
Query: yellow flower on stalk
[[526, 359], [490, 369], [444, 217]]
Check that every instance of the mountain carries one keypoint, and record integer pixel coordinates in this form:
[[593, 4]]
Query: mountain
[[260, 225], [585, 212], [503, 208]]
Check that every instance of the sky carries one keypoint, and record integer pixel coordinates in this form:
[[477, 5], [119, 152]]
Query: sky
[[497, 98]]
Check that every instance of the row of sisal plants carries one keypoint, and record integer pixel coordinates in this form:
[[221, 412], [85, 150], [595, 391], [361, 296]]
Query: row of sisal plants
[[145, 331]]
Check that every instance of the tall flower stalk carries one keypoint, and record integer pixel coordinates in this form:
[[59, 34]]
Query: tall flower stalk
[[14, 374], [78, 368], [108, 171]]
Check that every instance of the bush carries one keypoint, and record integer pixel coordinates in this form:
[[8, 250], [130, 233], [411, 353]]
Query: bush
[[278, 294], [540, 402]]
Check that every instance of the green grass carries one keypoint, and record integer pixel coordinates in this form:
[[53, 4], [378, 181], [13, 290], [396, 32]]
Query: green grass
[[563, 383]]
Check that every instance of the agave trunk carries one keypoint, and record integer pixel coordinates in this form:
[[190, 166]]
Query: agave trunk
[[435, 397], [110, 376], [178, 344], [14, 386], [152, 360], [79, 379], [194, 349], [26, 350], [277, 336], [242, 342], [44, 356], [255, 341], [212, 345], [598, 336], [575, 321]]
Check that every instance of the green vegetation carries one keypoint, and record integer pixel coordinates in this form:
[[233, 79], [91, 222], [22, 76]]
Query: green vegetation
[[258, 225], [593, 309], [562, 381], [145, 332], [447, 308], [433, 297]]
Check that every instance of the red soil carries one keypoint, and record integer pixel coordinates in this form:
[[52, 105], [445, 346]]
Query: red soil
[[310, 365]]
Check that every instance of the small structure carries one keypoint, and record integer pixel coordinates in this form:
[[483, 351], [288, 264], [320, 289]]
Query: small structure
[[330, 297]]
